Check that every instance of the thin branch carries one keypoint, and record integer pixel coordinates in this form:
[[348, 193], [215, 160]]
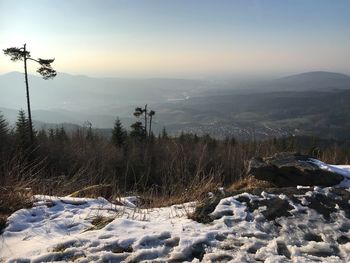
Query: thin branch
[[33, 60]]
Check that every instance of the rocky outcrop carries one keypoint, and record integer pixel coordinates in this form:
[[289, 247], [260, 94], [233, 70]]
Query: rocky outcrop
[[281, 202], [290, 169]]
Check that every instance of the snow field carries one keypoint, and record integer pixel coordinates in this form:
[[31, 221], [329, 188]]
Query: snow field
[[60, 230]]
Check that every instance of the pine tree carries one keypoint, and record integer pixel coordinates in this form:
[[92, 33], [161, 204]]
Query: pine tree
[[119, 134], [164, 133], [42, 136], [90, 135], [138, 131], [139, 112], [45, 70], [61, 135], [3, 131], [150, 114], [3, 126], [51, 134], [22, 131]]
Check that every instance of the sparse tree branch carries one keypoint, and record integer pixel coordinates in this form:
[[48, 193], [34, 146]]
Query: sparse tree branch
[[46, 62], [16, 53], [47, 72], [33, 60]]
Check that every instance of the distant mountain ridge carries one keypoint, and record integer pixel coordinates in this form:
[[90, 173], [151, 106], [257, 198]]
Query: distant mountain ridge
[[314, 80], [311, 103], [318, 74]]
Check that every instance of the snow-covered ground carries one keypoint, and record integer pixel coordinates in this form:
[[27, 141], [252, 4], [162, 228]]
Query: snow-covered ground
[[344, 170], [60, 230]]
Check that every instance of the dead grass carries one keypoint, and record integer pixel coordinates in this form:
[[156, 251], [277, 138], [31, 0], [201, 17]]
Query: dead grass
[[197, 190], [94, 191], [11, 200], [249, 182], [100, 222], [60, 248]]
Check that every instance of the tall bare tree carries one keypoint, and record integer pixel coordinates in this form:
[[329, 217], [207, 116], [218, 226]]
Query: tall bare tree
[[45, 70], [151, 114]]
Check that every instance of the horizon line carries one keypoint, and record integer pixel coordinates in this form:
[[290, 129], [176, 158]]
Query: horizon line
[[215, 76]]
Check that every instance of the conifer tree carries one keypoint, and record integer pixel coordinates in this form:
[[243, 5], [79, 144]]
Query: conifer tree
[[119, 134], [90, 136], [45, 70], [138, 113], [138, 131], [151, 114], [51, 134], [3, 131], [42, 136], [3, 126], [164, 133], [22, 131], [61, 135], [144, 111]]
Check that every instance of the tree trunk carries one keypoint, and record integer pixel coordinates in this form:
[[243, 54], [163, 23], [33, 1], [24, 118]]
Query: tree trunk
[[145, 119], [28, 100], [150, 125]]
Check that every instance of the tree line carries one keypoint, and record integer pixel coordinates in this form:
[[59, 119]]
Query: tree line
[[60, 162]]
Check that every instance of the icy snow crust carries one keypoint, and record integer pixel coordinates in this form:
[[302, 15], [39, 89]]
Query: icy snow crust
[[343, 170], [60, 230]]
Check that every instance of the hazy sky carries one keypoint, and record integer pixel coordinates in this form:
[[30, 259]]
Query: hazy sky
[[179, 37]]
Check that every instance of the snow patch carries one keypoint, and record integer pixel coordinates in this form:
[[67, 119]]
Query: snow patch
[[61, 229]]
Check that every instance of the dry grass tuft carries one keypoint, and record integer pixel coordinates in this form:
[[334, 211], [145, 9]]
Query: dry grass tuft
[[197, 190], [60, 248], [11, 200], [100, 222], [249, 182], [94, 191]]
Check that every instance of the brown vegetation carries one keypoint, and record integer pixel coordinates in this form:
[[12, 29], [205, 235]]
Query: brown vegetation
[[11, 200], [161, 170], [99, 222], [249, 182]]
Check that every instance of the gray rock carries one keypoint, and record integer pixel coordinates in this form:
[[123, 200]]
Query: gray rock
[[324, 203], [291, 169]]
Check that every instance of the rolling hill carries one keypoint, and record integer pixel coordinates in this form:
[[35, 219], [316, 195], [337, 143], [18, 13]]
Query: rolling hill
[[312, 103]]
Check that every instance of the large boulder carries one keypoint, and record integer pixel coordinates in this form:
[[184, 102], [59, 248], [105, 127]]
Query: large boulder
[[291, 169]]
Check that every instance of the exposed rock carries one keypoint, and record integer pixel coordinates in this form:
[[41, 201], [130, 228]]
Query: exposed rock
[[275, 207], [309, 236], [202, 213], [283, 250], [288, 169], [343, 240], [324, 203]]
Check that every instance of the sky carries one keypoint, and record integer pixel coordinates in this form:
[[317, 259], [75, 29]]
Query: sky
[[187, 38]]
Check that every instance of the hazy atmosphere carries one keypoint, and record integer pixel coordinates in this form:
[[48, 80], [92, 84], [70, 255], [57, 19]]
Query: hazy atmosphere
[[155, 38], [175, 131]]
